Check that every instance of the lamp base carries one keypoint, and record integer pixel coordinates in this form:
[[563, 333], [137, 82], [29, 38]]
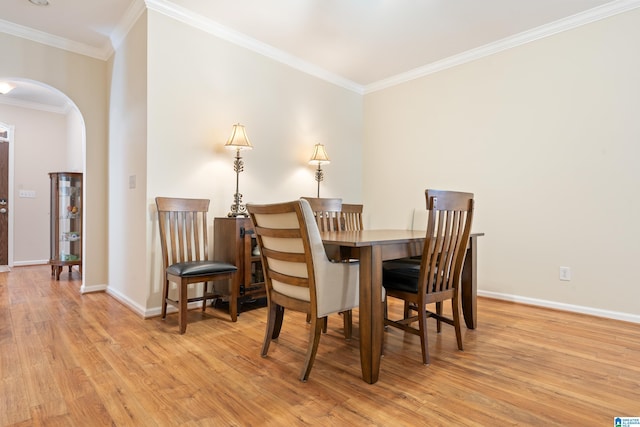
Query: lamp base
[[319, 177], [236, 214], [238, 209]]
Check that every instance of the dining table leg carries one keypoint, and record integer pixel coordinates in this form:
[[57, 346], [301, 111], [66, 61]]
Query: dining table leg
[[370, 312]]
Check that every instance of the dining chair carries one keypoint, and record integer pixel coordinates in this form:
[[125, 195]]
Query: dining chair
[[351, 216], [328, 215], [185, 254], [298, 274], [437, 277], [327, 212]]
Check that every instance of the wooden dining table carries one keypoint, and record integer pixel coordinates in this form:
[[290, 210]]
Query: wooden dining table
[[371, 248]]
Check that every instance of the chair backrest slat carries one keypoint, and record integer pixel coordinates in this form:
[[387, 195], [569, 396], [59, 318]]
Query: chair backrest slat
[[352, 217], [450, 216], [183, 229], [285, 249], [327, 211]]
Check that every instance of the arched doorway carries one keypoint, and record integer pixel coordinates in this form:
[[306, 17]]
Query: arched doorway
[[45, 133]]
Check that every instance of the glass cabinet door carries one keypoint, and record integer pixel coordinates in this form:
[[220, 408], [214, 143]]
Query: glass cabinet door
[[66, 221]]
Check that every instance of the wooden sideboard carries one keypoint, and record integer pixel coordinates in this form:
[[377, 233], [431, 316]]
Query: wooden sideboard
[[235, 242]]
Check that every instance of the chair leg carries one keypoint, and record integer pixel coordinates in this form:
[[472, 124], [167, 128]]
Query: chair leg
[[234, 286], [384, 326], [325, 324], [182, 311], [165, 295], [424, 342], [385, 314], [278, 322], [314, 339], [205, 290], [269, 331], [455, 306], [347, 321], [439, 313]]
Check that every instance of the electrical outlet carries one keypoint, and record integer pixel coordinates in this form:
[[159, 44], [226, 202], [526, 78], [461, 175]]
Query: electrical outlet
[[565, 273]]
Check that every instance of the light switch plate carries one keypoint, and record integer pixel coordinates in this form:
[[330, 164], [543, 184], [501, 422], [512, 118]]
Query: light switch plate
[[27, 194]]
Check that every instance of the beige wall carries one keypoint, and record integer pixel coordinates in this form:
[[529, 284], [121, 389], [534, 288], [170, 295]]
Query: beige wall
[[197, 87], [83, 80], [39, 147], [75, 141], [127, 158], [547, 137]]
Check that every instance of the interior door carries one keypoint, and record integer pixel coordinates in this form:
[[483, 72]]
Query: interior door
[[4, 198]]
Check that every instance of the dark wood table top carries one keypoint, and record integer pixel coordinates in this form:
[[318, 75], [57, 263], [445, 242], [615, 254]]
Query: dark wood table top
[[372, 237]]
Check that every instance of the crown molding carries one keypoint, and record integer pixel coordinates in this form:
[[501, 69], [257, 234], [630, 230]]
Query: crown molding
[[571, 22], [188, 17], [55, 41], [103, 53], [127, 22]]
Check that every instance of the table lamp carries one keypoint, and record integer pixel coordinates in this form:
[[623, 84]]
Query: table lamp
[[238, 141]]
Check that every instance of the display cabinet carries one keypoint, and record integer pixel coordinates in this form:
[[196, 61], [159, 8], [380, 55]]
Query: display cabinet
[[235, 243], [66, 222]]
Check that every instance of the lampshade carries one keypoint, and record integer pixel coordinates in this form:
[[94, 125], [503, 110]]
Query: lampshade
[[319, 155], [238, 139]]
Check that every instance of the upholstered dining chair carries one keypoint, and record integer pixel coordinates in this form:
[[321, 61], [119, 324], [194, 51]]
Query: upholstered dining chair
[[437, 277], [298, 274], [185, 254], [328, 215]]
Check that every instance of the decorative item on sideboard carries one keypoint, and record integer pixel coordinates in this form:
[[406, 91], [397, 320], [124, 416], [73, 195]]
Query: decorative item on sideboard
[[238, 141], [320, 158]]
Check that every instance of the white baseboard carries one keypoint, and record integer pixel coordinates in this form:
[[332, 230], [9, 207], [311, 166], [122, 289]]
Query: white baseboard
[[26, 263], [127, 302], [150, 312], [93, 288], [627, 317]]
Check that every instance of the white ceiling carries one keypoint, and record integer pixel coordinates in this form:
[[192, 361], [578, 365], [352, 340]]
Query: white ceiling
[[360, 44]]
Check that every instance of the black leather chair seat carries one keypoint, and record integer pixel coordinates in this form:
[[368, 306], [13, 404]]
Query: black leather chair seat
[[200, 268], [401, 275]]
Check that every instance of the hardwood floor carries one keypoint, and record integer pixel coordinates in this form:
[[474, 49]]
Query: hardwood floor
[[81, 360]]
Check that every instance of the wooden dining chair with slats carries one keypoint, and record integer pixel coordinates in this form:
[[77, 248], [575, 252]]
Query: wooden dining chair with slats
[[352, 216], [327, 212], [185, 254], [437, 277], [298, 274]]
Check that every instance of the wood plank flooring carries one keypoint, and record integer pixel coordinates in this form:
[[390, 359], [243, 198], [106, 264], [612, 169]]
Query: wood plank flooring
[[86, 360]]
